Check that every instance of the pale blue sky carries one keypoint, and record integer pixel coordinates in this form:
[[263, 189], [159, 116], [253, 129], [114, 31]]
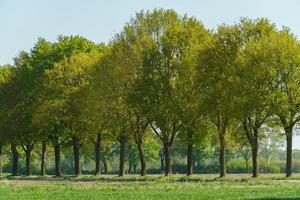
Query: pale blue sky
[[23, 21]]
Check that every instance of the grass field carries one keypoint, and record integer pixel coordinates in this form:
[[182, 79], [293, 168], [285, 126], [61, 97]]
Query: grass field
[[151, 187]]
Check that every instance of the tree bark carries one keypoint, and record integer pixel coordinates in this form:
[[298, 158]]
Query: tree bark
[[28, 162], [15, 159], [43, 159], [97, 154], [76, 152], [189, 159], [122, 158], [222, 155], [254, 148], [142, 158], [167, 156], [1, 158], [222, 126], [56, 145], [104, 164], [28, 149], [289, 150]]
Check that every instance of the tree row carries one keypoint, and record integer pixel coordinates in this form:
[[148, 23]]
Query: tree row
[[165, 75]]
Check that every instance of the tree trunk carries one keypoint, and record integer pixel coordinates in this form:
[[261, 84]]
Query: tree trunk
[[289, 150], [28, 162], [97, 154], [15, 159], [254, 148], [189, 159], [122, 159], [167, 159], [254, 162], [142, 158], [76, 152], [222, 155], [1, 158], [43, 159], [28, 149], [104, 164], [57, 157]]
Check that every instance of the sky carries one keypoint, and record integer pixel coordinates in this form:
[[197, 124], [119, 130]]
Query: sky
[[22, 22]]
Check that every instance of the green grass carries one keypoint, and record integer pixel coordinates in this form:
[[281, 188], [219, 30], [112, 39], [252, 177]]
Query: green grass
[[151, 187]]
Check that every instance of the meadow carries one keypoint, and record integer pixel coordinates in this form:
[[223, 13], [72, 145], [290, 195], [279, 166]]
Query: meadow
[[238, 186]]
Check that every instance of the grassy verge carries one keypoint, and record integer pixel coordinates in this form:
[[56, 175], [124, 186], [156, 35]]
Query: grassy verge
[[156, 187]]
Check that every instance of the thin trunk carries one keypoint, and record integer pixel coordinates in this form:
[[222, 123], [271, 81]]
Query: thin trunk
[[15, 159], [254, 162], [222, 126], [167, 159], [28, 149], [76, 152], [28, 162], [190, 159], [222, 155], [104, 164], [97, 154], [1, 158], [122, 159], [254, 148], [142, 158], [57, 157], [43, 159], [289, 150]]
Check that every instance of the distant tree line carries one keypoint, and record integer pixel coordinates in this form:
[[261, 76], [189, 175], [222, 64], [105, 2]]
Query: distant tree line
[[163, 77]]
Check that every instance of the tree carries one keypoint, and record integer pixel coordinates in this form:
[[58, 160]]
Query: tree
[[216, 82], [7, 94], [110, 91], [169, 41], [252, 80], [48, 112], [64, 82], [91, 101], [126, 52], [279, 52]]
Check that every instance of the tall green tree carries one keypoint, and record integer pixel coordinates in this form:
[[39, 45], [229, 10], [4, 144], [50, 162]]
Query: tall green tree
[[63, 84], [52, 120], [167, 55], [279, 52], [252, 83], [7, 102], [216, 82]]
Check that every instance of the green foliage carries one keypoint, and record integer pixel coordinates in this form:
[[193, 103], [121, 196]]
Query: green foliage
[[164, 78]]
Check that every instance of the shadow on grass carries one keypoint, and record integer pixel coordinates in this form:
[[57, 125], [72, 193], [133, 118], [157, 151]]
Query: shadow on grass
[[73, 178]]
